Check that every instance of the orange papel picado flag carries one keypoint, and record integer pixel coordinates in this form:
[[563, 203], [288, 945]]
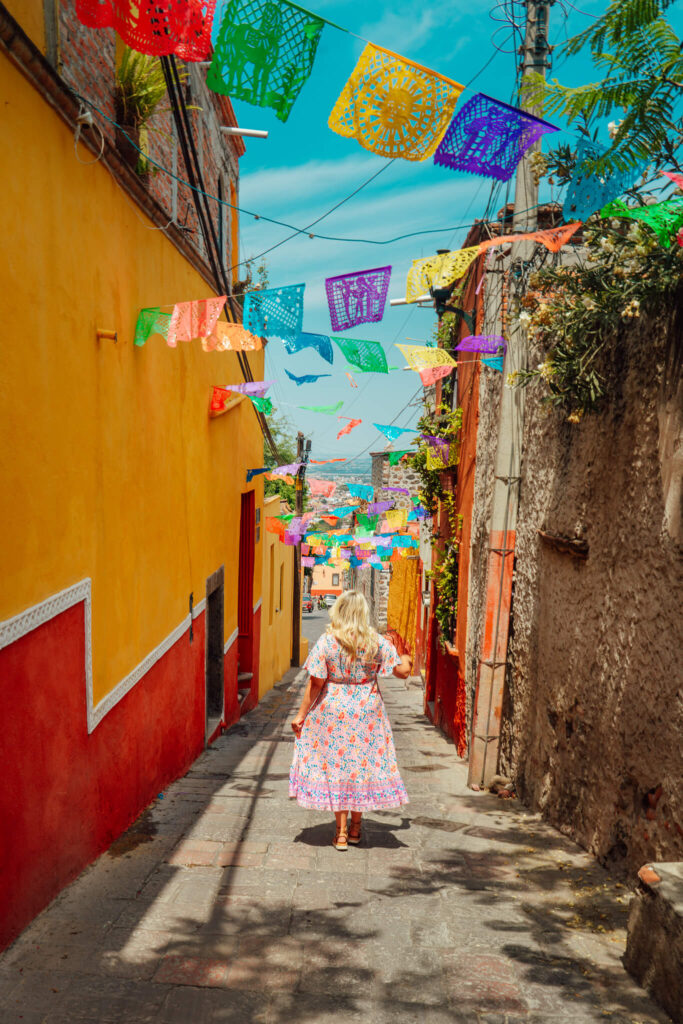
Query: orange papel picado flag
[[394, 107]]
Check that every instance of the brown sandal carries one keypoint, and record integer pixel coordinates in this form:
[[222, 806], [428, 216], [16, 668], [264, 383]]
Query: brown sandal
[[340, 840], [355, 832]]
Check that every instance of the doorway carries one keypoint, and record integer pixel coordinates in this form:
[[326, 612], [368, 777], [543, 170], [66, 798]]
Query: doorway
[[214, 672], [245, 597]]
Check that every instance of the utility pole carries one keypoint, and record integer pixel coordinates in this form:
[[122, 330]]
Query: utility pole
[[488, 700], [303, 452]]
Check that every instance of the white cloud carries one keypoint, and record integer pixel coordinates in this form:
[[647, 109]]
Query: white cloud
[[403, 30], [294, 183]]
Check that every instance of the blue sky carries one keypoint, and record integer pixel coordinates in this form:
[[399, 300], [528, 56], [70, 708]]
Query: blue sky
[[304, 168]]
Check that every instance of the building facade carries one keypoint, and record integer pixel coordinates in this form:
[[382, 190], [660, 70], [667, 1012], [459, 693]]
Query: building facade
[[132, 549], [326, 580]]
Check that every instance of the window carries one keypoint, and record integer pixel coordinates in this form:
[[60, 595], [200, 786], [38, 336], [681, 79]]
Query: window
[[272, 584], [335, 579], [282, 580]]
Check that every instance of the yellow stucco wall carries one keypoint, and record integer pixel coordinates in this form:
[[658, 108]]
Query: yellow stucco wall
[[111, 466], [402, 602], [276, 607], [30, 15]]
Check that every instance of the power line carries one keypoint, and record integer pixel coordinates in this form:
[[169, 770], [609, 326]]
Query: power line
[[272, 220], [336, 206]]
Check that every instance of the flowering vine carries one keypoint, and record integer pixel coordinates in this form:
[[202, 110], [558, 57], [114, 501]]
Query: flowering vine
[[575, 315]]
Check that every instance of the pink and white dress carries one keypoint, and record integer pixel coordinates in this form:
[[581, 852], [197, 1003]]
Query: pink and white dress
[[344, 758]]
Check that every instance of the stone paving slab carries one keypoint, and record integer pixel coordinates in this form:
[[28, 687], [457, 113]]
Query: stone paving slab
[[225, 903]]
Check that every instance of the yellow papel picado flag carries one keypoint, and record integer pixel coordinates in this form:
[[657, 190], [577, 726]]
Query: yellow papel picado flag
[[394, 107], [438, 271]]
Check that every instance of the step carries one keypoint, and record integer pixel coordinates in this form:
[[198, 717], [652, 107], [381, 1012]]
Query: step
[[244, 677], [655, 934]]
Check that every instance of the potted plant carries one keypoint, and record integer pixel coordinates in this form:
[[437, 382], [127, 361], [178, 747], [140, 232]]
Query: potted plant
[[140, 88]]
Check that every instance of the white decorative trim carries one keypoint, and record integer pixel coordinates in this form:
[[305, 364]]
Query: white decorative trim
[[257, 605], [25, 622], [96, 714], [198, 608], [230, 641]]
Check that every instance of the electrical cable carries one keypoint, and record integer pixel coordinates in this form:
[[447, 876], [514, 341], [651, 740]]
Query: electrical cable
[[332, 209], [273, 220], [193, 169]]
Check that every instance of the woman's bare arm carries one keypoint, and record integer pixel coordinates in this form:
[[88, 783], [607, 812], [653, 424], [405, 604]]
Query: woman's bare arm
[[403, 670], [313, 688]]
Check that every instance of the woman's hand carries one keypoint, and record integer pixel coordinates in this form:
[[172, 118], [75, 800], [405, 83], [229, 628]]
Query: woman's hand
[[403, 670], [297, 723]]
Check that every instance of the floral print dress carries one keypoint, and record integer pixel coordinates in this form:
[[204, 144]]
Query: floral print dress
[[344, 757]]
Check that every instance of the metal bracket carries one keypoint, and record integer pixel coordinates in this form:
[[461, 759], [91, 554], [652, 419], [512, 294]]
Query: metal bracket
[[486, 739], [509, 479], [502, 551], [492, 664]]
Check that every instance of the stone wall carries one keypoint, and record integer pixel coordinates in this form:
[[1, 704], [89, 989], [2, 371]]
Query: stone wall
[[594, 716], [383, 476], [373, 583]]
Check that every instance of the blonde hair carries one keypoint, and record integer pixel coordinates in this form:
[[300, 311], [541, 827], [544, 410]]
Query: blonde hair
[[350, 624]]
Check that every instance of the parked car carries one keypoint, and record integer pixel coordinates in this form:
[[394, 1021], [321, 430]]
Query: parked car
[[307, 603], [330, 599]]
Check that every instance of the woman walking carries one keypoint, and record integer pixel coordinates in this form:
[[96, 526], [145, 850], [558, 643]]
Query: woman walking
[[344, 757]]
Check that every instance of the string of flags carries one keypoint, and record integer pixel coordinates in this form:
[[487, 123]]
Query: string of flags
[[392, 106], [158, 28], [487, 343], [263, 54], [665, 218], [349, 426], [391, 432]]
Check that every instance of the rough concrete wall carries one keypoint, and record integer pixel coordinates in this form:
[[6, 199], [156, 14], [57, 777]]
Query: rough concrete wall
[[594, 710]]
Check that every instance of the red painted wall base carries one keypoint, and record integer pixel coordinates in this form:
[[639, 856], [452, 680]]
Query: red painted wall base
[[66, 795]]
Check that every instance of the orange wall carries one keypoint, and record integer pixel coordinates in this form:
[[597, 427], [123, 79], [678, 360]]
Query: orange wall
[[112, 468], [322, 580]]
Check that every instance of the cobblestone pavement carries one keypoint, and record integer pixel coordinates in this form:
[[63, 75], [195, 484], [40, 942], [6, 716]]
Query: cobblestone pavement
[[226, 903]]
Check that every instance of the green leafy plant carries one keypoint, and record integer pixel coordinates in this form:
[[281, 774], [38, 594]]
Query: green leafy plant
[[444, 423], [285, 440], [639, 56], [445, 574], [140, 89], [577, 314], [248, 284]]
